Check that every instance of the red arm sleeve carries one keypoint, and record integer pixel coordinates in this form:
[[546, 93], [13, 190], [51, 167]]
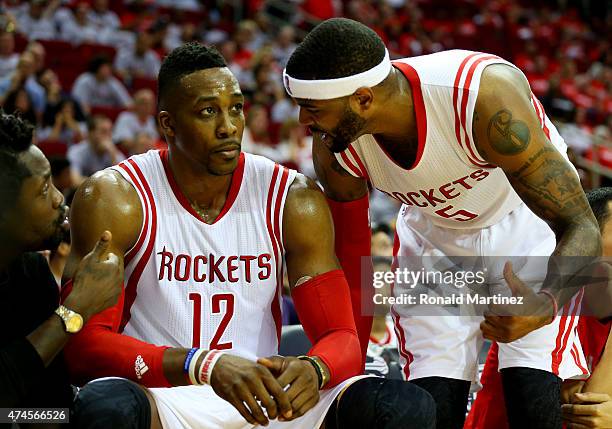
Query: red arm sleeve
[[100, 351], [353, 241], [324, 307]]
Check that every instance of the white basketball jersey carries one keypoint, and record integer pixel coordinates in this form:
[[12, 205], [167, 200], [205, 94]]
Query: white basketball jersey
[[449, 180], [215, 286]]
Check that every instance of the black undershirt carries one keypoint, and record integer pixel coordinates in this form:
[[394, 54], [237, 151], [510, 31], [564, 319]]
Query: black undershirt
[[28, 296]]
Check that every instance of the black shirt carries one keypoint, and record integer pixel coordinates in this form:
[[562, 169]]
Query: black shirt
[[28, 296]]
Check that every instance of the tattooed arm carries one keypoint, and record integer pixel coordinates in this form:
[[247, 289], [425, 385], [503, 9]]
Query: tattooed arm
[[508, 134]]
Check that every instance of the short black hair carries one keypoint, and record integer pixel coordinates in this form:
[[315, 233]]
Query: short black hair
[[338, 47], [598, 200], [381, 227], [185, 60], [58, 165], [15, 139], [96, 62]]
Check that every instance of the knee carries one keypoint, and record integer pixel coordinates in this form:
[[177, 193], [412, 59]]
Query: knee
[[412, 408], [115, 403]]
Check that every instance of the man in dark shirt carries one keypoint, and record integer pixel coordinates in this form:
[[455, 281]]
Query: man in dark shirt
[[34, 327]]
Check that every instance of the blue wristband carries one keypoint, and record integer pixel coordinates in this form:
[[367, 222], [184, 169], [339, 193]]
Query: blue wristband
[[188, 359]]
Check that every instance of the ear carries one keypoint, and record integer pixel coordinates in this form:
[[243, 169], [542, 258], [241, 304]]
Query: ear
[[362, 99], [166, 123]]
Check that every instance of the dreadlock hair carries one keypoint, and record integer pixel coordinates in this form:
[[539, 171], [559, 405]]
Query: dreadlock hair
[[185, 60], [598, 200], [338, 47], [15, 139]]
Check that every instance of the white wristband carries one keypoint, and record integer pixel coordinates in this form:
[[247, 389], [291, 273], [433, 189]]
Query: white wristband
[[192, 366], [208, 364]]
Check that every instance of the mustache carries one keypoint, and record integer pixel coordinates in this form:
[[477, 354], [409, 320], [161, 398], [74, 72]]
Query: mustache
[[228, 145]]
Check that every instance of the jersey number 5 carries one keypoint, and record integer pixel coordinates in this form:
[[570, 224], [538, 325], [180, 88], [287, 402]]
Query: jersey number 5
[[216, 309]]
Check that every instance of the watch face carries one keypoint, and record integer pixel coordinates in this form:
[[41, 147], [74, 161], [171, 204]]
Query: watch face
[[74, 323]]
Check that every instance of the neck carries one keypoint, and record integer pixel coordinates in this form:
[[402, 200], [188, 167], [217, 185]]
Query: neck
[[203, 190], [8, 255], [395, 121]]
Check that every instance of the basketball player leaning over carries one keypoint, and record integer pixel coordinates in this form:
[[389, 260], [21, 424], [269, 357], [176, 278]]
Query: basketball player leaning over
[[204, 230], [461, 141]]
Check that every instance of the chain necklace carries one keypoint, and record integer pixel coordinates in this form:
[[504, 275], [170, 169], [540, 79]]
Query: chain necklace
[[206, 217]]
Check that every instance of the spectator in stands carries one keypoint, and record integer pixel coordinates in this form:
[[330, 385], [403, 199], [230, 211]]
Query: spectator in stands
[[142, 143], [102, 17], [37, 20], [284, 108], [98, 87], [23, 76], [63, 118], [192, 5], [180, 34], [256, 138], [63, 126], [139, 61], [98, 151], [382, 244], [64, 177], [18, 102], [79, 28], [8, 57], [295, 147], [38, 53], [284, 44], [141, 120]]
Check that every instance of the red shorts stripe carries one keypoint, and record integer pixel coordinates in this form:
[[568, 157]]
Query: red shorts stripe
[[399, 330]]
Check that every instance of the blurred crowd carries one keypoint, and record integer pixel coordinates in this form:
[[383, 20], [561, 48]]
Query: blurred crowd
[[84, 71]]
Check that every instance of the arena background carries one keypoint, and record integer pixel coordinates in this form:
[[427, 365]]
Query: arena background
[[50, 51]]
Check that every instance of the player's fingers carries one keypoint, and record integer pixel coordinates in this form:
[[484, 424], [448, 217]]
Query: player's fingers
[[301, 402], [242, 409], [493, 319], [570, 425], [515, 284], [258, 388], [101, 246], [273, 363], [288, 376], [308, 405], [579, 409], [591, 397], [296, 388], [249, 399], [279, 394], [488, 331]]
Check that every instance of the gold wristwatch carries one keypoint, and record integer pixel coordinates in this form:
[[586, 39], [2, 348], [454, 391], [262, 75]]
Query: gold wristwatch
[[73, 322]]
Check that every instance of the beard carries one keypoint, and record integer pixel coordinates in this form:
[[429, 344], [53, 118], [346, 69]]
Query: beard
[[60, 233], [347, 131]]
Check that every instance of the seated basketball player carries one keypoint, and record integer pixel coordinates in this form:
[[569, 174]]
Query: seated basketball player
[[203, 230], [460, 140]]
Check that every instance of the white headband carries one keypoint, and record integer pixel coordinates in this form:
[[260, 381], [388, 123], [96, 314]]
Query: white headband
[[326, 89]]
